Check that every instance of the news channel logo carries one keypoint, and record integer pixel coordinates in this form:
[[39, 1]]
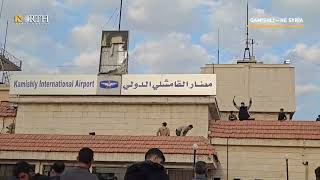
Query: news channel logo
[[109, 84], [31, 19], [276, 22]]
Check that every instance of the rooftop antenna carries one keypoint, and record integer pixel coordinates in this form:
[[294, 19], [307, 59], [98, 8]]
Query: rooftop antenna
[[218, 46], [1, 8], [247, 38], [120, 15], [5, 38], [252, 43]]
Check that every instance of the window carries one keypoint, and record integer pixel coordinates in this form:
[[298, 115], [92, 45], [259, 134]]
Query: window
[[236, 179], [6, 171], [216, 178]]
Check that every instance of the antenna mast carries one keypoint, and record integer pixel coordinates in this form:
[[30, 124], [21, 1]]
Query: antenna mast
[[247, 38], [5, 38], [218, 46], [1, 8], [120, 15]]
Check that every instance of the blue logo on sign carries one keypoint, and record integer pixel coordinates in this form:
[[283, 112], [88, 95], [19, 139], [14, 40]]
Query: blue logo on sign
[[109, 84]]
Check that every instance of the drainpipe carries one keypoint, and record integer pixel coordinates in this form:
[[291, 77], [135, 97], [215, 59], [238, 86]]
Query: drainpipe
[[227, 158], [305, 163], [3, 128], [306, 166]]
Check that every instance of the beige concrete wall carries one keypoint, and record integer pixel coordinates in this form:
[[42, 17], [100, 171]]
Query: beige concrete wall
[[4, 93], [271, 86], [265, 159], [109, 119]]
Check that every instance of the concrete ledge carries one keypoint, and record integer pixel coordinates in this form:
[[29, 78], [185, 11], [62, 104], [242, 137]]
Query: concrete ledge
[[98, 157], [266, 142], [114, 99], [245, 64]]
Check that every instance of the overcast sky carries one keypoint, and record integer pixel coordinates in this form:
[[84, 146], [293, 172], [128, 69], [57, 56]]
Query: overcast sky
[[167, 36]]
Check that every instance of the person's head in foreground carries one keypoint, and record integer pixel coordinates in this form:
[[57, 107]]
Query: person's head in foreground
[[57, 169], [150, 169], [23, 171], [85, 157], [201, 169], [155, 155]]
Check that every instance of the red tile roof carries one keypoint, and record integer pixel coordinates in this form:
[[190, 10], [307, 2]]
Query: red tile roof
[[104, 144], [6, 110], [265, 129]]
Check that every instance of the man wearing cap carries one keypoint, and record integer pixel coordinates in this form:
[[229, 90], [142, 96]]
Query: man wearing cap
[[164, 130]]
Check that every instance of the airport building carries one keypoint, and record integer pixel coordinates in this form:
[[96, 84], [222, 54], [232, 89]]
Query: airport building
[[53, 116]]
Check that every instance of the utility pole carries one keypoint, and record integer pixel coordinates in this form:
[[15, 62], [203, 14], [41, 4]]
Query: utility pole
[[120, 15], [5, 39]]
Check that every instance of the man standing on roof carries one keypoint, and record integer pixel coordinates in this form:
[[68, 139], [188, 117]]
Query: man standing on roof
[[282, 115], [164, 130], [318, 119], [232, 116], [243, 110], [183, 130]]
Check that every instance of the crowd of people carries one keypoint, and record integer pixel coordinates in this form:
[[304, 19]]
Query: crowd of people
[[152, 168], [24, 171]]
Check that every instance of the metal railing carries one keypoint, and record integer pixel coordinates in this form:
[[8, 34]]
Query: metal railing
[[6, 55]]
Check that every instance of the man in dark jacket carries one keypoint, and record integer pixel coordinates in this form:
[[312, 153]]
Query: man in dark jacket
[[243, 110], [24, 171], [150, 169], [282, 115]]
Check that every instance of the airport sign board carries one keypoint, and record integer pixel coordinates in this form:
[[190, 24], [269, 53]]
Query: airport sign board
[[103, 84], [53, 85], [169, 84], [65, 85]]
